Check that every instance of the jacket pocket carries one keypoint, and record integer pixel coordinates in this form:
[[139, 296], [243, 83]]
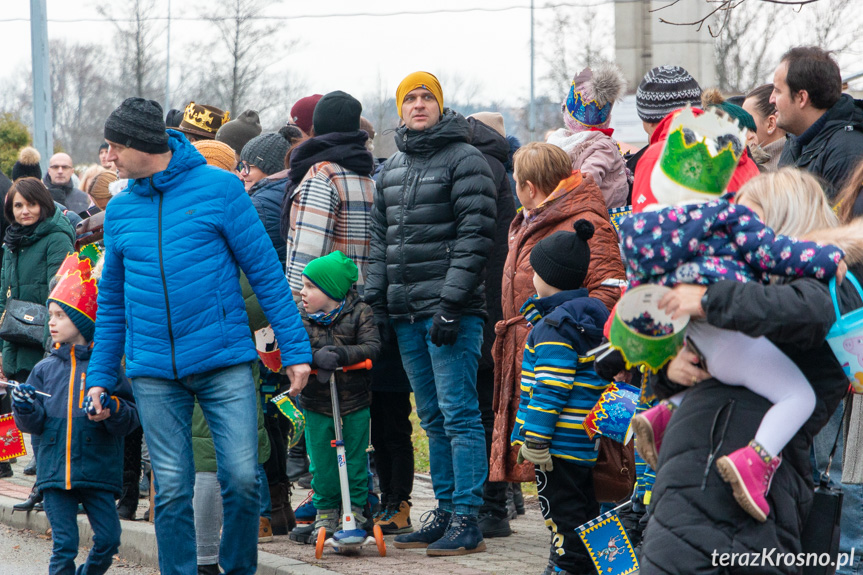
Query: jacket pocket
[[222, 317], [50, 453], [98, 457]]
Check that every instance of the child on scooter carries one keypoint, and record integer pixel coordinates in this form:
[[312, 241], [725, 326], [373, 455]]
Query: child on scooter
[[342, 332]]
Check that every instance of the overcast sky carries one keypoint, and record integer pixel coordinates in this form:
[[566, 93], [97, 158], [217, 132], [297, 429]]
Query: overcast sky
[[342, 52]]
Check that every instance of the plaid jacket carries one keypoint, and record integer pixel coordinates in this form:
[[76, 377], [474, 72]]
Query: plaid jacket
[[330, 210]]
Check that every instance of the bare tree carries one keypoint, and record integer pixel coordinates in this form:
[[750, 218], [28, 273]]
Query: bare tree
[[743, 49], [565, 53], [379, 107], [720, 9], [832, 24], [137, 34], [239, 57]]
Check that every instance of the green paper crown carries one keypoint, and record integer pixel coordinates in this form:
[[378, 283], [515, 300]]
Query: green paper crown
[[698, 159]]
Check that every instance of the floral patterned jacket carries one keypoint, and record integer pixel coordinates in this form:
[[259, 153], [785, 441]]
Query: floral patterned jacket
[[718, 240]]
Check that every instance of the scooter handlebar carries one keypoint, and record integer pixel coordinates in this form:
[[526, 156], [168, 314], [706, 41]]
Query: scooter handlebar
[[365, 364]]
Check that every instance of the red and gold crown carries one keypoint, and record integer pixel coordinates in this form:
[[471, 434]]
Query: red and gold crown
[[74, 262], [78, 293]]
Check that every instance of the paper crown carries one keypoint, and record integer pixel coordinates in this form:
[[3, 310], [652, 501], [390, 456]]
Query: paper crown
[[78, 293], [203, 121], [698, 159], [75, 287], [589, 114]]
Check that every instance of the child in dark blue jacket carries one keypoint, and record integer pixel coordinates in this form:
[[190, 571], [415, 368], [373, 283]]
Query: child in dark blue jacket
[[558, 388], [80, 459]]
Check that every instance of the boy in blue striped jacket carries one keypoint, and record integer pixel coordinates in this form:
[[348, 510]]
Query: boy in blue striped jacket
[[558, 388]]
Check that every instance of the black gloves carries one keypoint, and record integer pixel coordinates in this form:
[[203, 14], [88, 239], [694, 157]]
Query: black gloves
[[382, 322], [327, 361], [444, 329]]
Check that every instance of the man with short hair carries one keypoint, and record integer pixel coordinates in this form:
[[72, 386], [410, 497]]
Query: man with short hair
[[433, 224], [825, 126], [103, 153], [170, 301], [58, 180]]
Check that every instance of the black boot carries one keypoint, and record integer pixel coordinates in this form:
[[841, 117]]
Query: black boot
[[209, 570], [282, 518], [5, 469], [31, 467], [128, 504], [30, 503]]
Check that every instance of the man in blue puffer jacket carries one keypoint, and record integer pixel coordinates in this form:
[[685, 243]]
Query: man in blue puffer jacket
[[175, 241]]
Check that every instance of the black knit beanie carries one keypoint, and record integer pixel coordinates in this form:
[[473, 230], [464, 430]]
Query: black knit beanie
[[337, 112], [138, 124], [562, 259], [27, 165]]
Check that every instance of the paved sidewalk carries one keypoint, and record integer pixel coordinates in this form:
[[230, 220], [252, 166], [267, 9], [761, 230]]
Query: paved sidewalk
[[524, 552]]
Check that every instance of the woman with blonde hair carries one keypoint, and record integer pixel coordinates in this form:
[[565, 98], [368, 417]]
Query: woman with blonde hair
[[849, 202]]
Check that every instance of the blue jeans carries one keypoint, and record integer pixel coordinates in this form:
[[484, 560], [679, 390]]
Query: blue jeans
[[444, 383], [228, 399], [852, 500], [61, 507]]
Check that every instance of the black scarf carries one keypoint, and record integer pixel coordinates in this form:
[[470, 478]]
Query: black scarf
[[16, 233], [347, 149]]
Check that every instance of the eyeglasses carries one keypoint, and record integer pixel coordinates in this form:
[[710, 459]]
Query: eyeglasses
[[243, 168]]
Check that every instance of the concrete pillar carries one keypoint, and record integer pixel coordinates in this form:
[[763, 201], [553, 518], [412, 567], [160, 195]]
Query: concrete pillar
[[684, 46], [632, 40]]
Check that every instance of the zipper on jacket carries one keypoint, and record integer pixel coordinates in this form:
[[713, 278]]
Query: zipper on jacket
[[71, 402], [165, 283], [407, 182]]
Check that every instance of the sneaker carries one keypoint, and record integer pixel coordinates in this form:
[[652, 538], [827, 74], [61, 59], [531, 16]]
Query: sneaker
[[328, 518], [750, 471], [304, 533], [305, 512], [649, 427], [396, 519], [493, 526], [31, 467], [435, 523], [265, 532], [461, 538]]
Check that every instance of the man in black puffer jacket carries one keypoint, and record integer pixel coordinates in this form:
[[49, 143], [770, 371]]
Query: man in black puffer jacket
[[433, 225]]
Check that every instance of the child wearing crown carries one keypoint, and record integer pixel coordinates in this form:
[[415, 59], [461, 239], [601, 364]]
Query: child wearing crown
[[703, 239], [80, 459]]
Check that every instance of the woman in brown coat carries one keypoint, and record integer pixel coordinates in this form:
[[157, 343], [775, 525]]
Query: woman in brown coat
[[554, 197]]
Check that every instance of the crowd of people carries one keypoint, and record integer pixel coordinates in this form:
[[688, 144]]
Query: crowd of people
[[478, 274]]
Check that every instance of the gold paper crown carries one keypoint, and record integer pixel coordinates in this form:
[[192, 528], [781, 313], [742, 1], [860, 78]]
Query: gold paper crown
[[205, 117]]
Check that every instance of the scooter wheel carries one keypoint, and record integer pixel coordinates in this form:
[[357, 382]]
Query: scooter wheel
[[379, 539], [319, 546]]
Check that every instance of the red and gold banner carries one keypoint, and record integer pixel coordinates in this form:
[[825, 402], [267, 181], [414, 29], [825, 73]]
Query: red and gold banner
[[11, 439]]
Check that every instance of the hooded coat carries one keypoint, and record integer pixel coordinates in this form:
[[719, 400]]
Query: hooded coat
[[835, 147], [694, 514], [27, 272], [433, 224], [170, 290], [596, 154], [579, 198], [495, 149], [75, 452]]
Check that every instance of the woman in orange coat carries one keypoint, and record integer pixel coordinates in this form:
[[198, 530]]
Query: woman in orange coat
[[554, 197]]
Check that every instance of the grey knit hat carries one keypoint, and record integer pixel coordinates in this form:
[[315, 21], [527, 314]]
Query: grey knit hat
[[663, 90], [138, 124], [267, 152], [240, 130]]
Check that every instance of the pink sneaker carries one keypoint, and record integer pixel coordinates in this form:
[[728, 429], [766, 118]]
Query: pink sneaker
[[750, 470], [649, 427]]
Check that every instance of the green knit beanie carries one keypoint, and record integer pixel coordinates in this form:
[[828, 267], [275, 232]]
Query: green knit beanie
[[334, 274]]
